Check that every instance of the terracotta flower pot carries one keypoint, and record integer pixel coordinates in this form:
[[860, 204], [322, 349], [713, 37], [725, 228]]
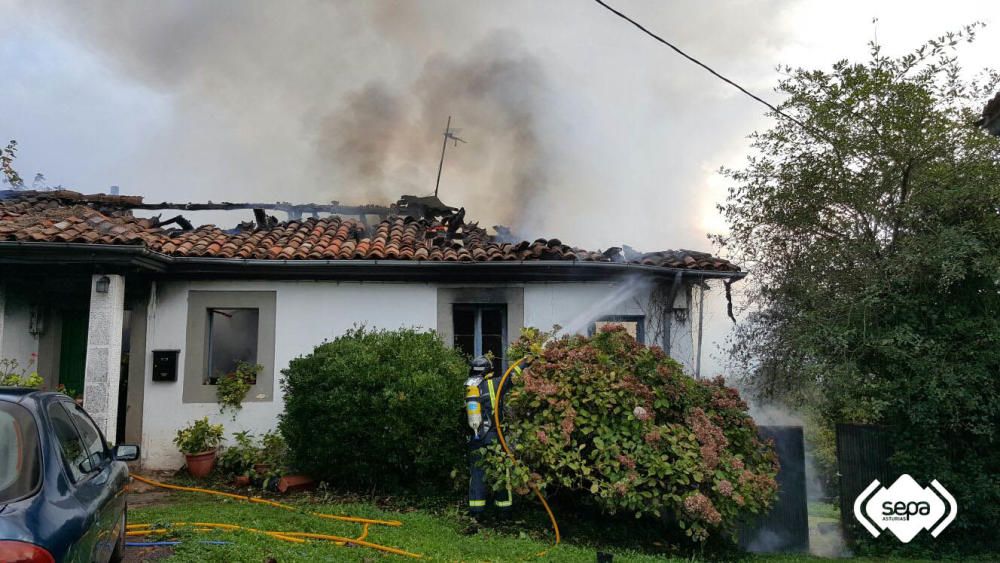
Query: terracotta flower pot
[[200, 464], [262, 468], [241, 480]]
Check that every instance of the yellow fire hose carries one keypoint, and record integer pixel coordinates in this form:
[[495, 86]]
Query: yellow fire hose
[[294, 537], [259, 500], [297, 537], [510, 454], [146, 529]]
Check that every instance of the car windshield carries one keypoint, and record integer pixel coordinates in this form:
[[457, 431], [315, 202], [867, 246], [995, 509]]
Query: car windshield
[[19, 463]]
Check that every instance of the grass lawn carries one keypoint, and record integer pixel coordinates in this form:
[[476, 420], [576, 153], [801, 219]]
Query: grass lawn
[[438, 536], [439, 533]]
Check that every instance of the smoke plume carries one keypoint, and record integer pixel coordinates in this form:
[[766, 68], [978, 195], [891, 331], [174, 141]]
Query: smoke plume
[[571, 117], [382, 139]]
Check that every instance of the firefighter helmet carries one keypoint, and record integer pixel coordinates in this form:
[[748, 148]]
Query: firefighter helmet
[[480, 367]]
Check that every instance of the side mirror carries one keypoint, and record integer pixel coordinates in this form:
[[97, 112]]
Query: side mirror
[[126, 452], [90, 463]]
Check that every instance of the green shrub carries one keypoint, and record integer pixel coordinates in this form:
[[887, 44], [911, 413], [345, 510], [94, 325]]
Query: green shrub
[[238, 459], [620, 424], [13, 375], [376, 408]]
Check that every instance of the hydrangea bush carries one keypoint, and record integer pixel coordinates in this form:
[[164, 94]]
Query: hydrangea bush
[[621, 424]]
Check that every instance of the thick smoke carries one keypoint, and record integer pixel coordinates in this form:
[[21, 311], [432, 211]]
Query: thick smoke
[[578, 127], [381, 139]]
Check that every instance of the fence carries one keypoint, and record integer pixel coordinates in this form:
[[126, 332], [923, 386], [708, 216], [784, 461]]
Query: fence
[[863, 453], [786, 526]]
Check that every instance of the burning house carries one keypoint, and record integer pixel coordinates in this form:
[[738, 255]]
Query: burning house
[[140, 315]]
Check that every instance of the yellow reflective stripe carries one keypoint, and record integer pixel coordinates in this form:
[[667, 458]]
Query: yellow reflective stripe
[[510, 494], [477, 503], [493, 393]]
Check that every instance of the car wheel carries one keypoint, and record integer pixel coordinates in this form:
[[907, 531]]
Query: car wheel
[[118, 555]]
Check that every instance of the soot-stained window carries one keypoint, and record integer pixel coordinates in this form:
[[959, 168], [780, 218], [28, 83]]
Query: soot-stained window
[[232, 338]]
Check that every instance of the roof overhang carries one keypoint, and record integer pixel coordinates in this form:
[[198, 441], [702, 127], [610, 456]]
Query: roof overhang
[[139, 258]]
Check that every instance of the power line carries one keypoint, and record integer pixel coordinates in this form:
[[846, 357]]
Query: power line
[[708, 68]]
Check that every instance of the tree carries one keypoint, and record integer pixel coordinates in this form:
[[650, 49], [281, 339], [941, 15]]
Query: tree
[[871, 230], [10, 176]]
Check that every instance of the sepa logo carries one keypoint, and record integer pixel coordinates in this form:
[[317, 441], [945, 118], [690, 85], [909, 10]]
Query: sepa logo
[[905, 508]]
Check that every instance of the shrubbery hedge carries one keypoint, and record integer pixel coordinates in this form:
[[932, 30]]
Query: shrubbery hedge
[[620, 424], [376, 408]]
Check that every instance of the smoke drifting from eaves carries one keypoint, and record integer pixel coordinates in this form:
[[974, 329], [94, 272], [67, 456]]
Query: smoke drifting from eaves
[[382, 138]]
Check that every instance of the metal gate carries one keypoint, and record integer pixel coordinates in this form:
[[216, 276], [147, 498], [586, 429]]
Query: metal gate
[[786, 526], [863, 453]]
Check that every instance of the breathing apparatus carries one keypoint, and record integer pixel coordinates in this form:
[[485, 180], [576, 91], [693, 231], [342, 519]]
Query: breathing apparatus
[[480, 368]]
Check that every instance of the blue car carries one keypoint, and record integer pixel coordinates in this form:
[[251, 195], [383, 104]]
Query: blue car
[[62, 489]]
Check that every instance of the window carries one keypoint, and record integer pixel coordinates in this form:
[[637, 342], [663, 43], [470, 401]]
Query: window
[[634, 325], [232, 338], [481, 329], [93, 443], [19, 462], [223, 329], [74, 454]]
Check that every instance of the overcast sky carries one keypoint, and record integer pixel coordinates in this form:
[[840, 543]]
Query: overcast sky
[[578, 126]]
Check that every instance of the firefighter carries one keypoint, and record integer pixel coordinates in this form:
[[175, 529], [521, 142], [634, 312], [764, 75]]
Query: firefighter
[[481, 402]]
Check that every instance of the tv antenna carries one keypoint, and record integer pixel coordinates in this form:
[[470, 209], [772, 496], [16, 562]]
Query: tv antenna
[[449, 135]]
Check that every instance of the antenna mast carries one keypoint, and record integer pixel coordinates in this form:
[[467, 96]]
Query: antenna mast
[[449, 134]]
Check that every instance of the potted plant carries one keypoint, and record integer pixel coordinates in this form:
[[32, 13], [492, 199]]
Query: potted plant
[[233, 387], [238, 460], [199, 442], [271, 456]]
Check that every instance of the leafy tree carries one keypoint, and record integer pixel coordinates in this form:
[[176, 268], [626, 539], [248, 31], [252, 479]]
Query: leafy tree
[[10, 176], [871, 231]]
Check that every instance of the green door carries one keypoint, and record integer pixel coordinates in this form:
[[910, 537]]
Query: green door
[[73, 351]]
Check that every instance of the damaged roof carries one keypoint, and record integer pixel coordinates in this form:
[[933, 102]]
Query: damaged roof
[[64, 216]]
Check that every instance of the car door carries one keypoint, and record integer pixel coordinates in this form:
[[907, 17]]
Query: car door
[[87, 463], [103, 493]]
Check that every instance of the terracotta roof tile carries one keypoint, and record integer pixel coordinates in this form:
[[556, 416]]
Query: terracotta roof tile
[[65, 216]]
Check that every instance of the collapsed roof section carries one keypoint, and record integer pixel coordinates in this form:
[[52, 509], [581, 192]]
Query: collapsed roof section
[[415, 229]]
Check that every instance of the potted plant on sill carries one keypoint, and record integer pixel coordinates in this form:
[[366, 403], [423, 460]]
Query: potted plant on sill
[[199, 442], [233, 387]]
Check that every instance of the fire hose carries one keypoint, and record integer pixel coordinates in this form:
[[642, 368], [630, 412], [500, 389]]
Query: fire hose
[[294, 537], [510, 454]]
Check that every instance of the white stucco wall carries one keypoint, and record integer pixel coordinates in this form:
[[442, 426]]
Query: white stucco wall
[[306, 314], [574, 306], [309, 312], [16, 340]]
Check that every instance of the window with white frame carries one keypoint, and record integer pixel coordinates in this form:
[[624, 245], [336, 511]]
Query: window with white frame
[[481, 329]]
